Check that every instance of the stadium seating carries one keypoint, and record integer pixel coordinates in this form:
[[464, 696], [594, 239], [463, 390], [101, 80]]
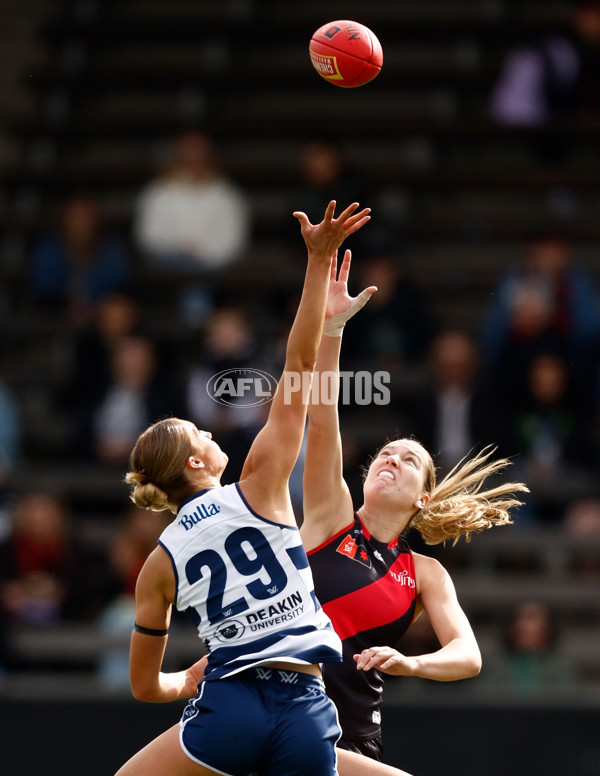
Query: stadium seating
[[106, 86]]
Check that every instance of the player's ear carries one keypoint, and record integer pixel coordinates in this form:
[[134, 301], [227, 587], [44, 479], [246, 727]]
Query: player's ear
[[422, 501], [195, 463]]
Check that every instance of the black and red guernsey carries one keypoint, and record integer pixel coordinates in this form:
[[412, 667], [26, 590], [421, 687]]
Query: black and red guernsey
[[368, 590]]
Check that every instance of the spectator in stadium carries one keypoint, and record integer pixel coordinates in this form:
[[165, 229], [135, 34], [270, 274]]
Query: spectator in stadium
[[77, 263], [174, 465], [570, 292], [116, 315], [193, 221], [46, 574], [397, 326], [554, 435], [554, 423], [130, 546], [229, 345], [192, 215], [367, 578], [553, 76], [10, 449], [546, 303], [137, 393], [456, 412], [581, 523], [88, 371], [10, 435], [325, 174], [530, 657]]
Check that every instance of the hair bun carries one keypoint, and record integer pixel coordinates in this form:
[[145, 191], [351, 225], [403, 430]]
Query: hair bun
[[146, 494], [150, 496]]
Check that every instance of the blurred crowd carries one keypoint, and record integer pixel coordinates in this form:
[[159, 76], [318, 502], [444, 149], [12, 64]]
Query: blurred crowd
[[527, 380]]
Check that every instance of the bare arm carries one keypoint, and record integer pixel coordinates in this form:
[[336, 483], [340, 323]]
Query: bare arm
[[458, 657], [275, 449], [154, 590], [352, 764], [327, 502]]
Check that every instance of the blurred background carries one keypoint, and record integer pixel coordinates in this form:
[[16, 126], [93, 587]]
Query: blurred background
[[151, 154]]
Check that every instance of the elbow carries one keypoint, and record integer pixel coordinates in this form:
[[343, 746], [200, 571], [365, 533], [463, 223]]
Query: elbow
[[470, 657], [469, 663], [298, 376], [140, 695], [474, 665], [302, 364], [309, 364], [144, 692], [302, 359]]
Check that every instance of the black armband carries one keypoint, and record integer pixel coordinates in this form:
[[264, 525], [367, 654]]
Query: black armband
[[150, 631]]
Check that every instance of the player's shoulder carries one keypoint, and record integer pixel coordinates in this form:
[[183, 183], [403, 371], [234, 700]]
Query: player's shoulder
[[428, 570], [157, 567]]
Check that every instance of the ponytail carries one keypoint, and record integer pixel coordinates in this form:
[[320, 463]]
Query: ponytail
[[459, 506]]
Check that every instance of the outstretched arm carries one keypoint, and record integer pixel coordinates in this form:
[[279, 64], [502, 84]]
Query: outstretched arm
[[458, 656], [274, 452], [327, 502]]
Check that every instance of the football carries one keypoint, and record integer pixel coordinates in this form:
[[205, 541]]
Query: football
[[346, 53]]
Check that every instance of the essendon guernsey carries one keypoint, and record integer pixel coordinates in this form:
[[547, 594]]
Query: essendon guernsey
[[368, 590]]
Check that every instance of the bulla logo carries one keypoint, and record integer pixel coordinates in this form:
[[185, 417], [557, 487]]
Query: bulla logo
[[201, 512]]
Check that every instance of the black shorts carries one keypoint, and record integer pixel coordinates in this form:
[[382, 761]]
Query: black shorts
[[369, 747]]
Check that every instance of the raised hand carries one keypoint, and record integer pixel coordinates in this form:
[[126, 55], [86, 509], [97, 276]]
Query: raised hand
[[340, 305], [338, 298], [325, 238]]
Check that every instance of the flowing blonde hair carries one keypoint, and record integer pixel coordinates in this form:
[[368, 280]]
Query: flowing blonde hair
[[458, 505]]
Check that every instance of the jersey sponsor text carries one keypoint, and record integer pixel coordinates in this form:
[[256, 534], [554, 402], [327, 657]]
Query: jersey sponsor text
[[288, 609], [201, 512]]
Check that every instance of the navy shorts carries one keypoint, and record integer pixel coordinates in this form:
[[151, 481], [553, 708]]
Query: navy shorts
[[263, 719]]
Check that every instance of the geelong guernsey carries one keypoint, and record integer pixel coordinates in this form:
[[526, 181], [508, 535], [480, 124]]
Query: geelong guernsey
[[368, 590], [247, 585]]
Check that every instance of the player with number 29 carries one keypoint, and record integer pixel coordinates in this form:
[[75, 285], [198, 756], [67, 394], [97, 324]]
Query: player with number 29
[[233, 559]]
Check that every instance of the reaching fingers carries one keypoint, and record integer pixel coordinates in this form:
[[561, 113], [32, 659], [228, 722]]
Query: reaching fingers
[[345, 268], [349, 219], [345, 214], [356, 222], [333, 270], [302, 217], [364, 296], [330, 211], [331, 232]]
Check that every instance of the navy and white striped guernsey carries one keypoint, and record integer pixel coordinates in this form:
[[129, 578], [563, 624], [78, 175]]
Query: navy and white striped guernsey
[[247, 585]]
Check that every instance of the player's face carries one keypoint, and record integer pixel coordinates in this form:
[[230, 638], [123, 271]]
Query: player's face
[[398, 472], [214, 459]]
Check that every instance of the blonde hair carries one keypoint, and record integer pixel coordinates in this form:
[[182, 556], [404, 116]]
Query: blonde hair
[[459, 506], [157, 466]]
